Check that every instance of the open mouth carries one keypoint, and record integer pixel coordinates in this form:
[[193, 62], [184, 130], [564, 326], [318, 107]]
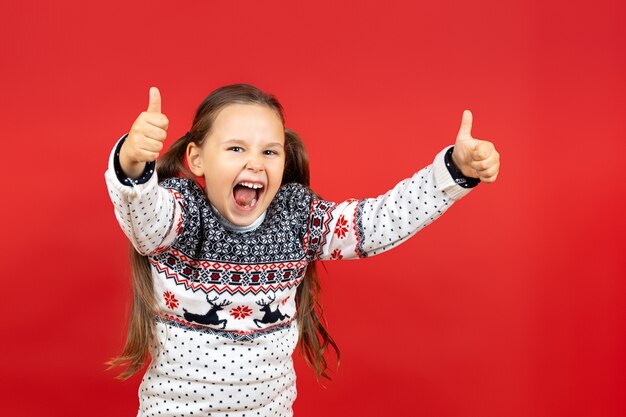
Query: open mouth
[[247, 194]]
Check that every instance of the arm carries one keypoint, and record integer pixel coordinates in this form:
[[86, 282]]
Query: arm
[[367, 227], [150, 216]]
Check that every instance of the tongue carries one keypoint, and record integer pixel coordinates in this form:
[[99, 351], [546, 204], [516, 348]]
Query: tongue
[[244, 195]]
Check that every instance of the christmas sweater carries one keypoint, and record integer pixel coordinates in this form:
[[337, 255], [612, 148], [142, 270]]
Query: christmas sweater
[[225, 325]]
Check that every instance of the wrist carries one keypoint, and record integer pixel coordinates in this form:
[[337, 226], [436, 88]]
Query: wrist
[[130, 172], [131, 168], [457, 164], [454, 167]]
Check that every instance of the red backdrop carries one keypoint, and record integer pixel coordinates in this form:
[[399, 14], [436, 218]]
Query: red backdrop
[[511, 304]]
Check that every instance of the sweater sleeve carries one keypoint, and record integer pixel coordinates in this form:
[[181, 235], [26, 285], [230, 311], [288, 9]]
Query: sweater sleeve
[[150, 216], [360, 228]]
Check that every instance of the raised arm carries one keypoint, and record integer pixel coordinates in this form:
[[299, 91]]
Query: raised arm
[[149, 215], [367, 227]]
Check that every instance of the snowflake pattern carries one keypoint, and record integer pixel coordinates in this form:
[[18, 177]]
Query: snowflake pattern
[[240, 312], [336, 255], [170, 300], [202, 234], [342, 227]]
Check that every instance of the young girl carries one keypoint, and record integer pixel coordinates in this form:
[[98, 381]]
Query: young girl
[[225, 232]]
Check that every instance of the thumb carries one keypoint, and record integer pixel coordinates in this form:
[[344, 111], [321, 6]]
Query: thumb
[[466, 124], [155, 100]]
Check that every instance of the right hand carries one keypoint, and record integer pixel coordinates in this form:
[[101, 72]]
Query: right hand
[[145, 138]]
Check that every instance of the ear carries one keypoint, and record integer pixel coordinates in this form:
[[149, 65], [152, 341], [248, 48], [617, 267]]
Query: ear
[[194, 159]]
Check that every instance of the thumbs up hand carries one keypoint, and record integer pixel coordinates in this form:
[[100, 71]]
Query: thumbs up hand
[[145, 138], [474, 157]]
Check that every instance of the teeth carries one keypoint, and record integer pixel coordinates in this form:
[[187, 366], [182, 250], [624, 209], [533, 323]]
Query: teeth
[[251, 185], [252, 203]]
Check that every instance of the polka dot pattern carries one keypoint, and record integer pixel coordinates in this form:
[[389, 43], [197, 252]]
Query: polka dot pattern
[[199, 373], [368, 227], [137, 216], [394, 217]]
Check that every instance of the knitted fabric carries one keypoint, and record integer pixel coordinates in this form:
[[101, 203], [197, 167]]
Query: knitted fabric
[[226, 317]]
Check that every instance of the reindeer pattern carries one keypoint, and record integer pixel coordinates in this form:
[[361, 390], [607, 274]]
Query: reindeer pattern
[[269, 316], [211, 316], [262, 316]]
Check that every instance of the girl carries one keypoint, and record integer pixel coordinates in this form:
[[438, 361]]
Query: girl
[[225, 233]]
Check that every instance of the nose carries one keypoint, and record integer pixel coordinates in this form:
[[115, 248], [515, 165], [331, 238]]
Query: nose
[[255, 163]]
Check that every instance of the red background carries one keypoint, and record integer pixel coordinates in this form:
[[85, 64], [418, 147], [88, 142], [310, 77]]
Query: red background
[[511, 304]]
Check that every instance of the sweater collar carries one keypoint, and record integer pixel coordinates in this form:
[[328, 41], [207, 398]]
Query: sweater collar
[[234, 228]]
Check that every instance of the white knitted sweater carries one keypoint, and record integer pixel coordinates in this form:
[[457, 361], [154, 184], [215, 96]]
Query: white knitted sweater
[[226, 322]]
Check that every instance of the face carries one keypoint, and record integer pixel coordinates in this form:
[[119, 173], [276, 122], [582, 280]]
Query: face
[[242, 161]]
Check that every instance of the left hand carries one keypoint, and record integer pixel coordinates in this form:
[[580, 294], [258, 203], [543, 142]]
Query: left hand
[[474, 157]]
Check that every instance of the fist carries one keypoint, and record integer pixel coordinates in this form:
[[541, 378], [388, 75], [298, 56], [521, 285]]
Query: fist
[[474, 157], [146, 136]]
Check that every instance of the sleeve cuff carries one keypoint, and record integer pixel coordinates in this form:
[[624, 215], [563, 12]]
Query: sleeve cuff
[[445, 173], [122, 178], [129, 188]]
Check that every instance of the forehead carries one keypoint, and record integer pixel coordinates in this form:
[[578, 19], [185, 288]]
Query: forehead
[[248, 121]]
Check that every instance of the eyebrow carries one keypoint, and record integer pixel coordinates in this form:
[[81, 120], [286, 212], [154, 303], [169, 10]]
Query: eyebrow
[[242, 142]]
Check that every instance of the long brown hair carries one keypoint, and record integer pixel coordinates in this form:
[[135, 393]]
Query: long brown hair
[[314, 338]]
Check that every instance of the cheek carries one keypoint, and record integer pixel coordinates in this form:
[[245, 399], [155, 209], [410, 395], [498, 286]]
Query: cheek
[[220, 171], [218, 186], [276, 178], [279, 172], [271, 193], [211, 181], [279, 168]]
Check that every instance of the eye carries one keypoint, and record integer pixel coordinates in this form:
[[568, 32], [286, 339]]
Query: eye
[[236, 149], [270, 152]]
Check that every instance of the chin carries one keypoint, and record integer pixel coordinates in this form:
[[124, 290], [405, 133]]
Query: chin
[[240, 216]]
